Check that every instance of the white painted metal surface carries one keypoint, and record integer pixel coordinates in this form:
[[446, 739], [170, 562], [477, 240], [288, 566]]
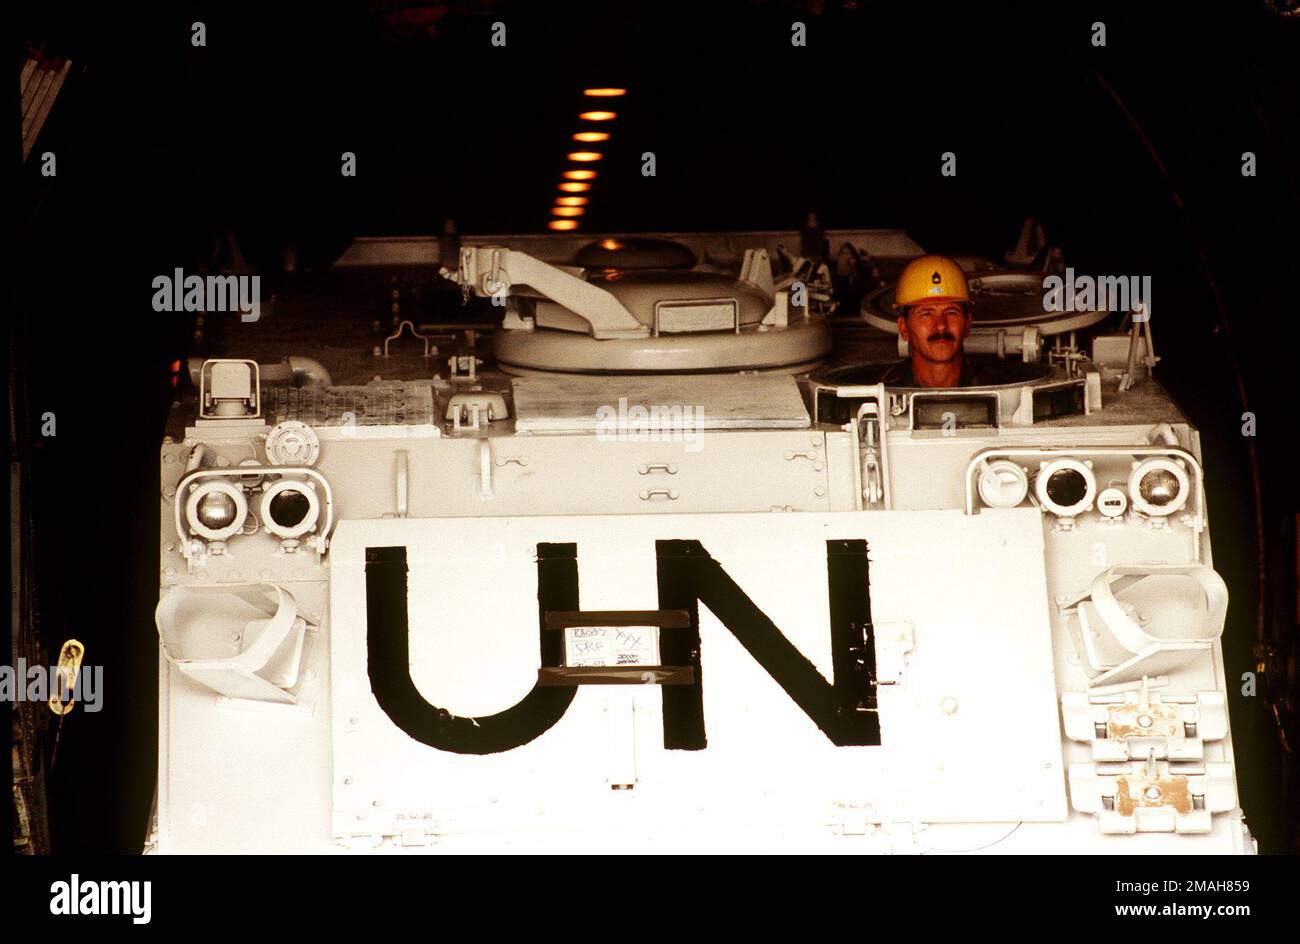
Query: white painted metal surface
[[1010, 718], [978, 668], [657, 404]]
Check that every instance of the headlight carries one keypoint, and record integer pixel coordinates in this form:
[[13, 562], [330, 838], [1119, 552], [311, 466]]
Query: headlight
[[216, 510], [1065, 487], [1158, 486], [290, 508], [1003, 484]]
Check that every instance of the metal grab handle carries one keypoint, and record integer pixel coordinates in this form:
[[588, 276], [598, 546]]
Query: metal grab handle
[[1126, 630], [184, 628], [415, 334]]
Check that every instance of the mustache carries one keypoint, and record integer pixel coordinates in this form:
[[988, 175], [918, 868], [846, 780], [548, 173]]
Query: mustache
[[941, 336]]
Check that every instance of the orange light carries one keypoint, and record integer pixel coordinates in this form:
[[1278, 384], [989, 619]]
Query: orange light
[[575, 188], [580, 175], [567, 211], [584, 156], [570, 201], [591, 136], [604, 92], [598, 115], [562, 224], [611, 244]]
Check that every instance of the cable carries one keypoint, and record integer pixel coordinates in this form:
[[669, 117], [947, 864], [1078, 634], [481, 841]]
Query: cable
[[988, 845]]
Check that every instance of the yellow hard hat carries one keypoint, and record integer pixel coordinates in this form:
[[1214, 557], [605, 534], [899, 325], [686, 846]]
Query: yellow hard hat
[[933, 279]]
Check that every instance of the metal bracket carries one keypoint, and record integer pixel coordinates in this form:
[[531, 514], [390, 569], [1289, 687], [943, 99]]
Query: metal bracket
[[429, 348], [1126, 651], [229, 389], [894, 640], [469, 410], [873, 452], [1151, 796], [1139, 333], [756, 270], [402, 457], [1134, 725], [618, 621], [487, 270], [463, 368]]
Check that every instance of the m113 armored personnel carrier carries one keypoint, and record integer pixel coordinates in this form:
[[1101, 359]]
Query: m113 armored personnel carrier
[[668, 571]]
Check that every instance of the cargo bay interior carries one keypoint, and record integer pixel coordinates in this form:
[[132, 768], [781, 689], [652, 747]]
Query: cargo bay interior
[[1015, 144]]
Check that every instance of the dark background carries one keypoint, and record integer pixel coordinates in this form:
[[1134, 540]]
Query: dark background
[[160, 146]]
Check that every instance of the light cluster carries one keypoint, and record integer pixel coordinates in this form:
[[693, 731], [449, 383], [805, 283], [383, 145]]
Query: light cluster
[[567, 210]]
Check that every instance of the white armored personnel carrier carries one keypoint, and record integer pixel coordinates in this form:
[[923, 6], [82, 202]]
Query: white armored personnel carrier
[[666, 573]]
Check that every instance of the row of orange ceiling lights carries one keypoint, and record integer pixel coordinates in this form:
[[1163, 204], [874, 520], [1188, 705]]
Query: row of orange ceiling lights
[[577, 180]]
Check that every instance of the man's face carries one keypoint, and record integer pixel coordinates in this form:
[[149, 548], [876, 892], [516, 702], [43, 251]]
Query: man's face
[[935, 330]]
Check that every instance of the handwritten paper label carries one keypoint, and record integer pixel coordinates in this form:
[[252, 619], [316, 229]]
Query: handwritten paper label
[[606, 646]]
